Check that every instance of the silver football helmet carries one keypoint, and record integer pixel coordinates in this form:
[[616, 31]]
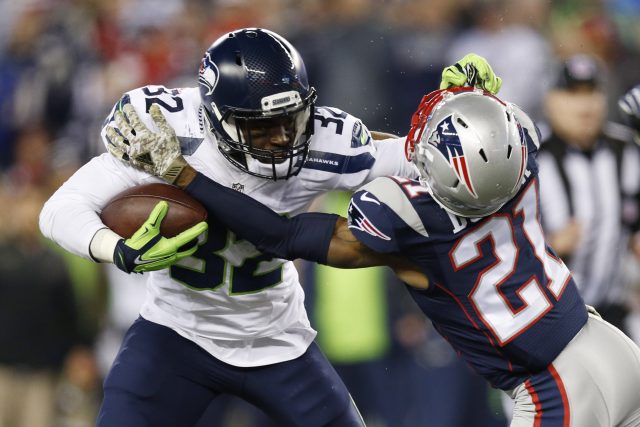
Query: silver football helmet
[[471, 152]]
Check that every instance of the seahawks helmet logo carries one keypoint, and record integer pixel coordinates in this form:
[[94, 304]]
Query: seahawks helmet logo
[[209, 74]]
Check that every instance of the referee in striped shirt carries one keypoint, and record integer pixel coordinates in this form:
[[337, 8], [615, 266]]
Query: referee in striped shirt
[[590, 187]]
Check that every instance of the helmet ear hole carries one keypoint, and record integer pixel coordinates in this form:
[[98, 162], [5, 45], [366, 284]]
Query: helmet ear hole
[[509, 150], [483, 155], [462, 123], [238, 58]]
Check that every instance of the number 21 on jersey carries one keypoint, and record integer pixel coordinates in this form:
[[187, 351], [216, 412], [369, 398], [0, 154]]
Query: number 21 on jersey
[[488, 294]]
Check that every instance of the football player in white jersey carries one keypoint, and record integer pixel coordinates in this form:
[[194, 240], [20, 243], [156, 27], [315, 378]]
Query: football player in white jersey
[[221, 317]]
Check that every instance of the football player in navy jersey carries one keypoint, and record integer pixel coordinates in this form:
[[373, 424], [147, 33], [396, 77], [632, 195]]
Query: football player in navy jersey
[[466, 239], [221, 317]]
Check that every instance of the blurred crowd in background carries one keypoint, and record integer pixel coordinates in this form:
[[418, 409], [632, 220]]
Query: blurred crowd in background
[[64, 63]]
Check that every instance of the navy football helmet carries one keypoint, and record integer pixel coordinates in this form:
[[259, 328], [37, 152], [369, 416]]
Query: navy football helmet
[[253, 84]]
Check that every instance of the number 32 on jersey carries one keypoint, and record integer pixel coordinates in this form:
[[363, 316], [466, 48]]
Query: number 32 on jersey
[[224, 260]]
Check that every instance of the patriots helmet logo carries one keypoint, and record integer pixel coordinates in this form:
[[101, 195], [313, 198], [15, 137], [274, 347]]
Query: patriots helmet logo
[[209, 74], [445, 138]]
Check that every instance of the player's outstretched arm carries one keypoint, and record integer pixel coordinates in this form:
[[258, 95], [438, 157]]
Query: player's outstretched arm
[[319, 237], [346, 251]]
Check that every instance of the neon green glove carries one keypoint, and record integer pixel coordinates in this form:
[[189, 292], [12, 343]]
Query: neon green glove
[[147, 250], [472, 70]]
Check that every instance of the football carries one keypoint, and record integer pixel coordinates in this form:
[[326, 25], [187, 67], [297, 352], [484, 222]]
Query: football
[[127, 211]]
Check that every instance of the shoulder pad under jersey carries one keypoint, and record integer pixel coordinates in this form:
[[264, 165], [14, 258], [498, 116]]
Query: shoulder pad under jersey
[[181, 108], [389, 192]]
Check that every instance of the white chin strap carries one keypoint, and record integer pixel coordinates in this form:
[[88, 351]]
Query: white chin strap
[[267, 168]]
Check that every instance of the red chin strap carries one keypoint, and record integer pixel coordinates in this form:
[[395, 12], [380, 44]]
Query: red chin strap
[[422, 114]]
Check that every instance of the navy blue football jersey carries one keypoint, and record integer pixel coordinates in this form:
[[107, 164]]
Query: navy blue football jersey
[[497, 292]]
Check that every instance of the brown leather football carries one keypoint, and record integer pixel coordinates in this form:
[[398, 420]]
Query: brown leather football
[[127, 211]]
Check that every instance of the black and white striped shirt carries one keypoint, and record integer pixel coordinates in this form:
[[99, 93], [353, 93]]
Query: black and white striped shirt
[[599, 188]]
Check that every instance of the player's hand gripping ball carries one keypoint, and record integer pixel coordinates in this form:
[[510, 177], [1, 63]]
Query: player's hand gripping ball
[[160, 225]]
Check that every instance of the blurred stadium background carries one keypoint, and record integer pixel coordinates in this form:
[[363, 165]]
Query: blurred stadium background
[[64, 63]]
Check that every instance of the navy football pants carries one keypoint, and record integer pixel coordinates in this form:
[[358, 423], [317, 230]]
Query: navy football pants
[[161, 379]]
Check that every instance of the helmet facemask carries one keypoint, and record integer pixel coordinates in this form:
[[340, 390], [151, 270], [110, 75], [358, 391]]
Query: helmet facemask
[[243, 134], [258, 101]]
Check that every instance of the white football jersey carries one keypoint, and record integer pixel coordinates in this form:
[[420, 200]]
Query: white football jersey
[[240, 305]]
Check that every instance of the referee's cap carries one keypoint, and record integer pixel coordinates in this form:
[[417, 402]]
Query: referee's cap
[[579, 71]]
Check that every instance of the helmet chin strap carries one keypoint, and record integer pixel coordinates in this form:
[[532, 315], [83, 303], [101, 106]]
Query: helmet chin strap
[[281, 169]]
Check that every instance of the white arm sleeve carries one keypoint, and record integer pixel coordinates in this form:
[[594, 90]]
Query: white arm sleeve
[[344, 156], [391, 160], [388, 159], [71, 215]]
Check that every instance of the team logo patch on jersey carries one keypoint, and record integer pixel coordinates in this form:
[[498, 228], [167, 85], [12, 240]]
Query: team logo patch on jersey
[[209, 74], [359, 221], [238, 187], [445, 138], [360, 135]]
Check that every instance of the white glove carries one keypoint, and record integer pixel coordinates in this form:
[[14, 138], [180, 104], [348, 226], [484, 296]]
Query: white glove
[[629, 104], [155, 153]]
